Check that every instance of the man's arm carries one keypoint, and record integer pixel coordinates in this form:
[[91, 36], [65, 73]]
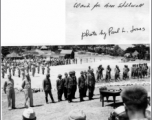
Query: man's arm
[[23, 84], [4, 87]]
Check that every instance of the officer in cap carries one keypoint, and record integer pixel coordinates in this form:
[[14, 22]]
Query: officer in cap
[[47, 87], [69, 87], [74, 84], [9, 90], [26, 85], [59, 86], [81, 85], [86, 86], [65, 85]]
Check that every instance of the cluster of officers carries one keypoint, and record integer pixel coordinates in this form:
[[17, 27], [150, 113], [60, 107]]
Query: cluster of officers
[[67, 86]]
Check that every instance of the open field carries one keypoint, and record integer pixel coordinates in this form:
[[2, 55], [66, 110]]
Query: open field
[[59, 111]]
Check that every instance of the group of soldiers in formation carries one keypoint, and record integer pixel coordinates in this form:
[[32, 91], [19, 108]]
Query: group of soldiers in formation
[[137, 71], [66, 85]]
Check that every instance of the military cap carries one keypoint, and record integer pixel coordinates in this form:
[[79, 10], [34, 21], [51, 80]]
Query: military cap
[[59, 75], [81, 72], [47, 75], [77, 115], [70, 73]]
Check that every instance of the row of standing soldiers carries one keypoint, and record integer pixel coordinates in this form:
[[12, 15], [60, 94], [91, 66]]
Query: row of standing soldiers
[[23, 69], [68, 85], [137, 71]]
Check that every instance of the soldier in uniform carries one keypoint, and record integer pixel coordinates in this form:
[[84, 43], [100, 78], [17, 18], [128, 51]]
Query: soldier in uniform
[[86, 85], [9, 90], [43, 69], [74, 85], [69, 87], [13, 70], [23, 72], [47, 87], [133, 71], [59, 86], [108, 74], [117, 73], [48, 69], [91, 83], [33, 70], [38, 68], [19, 71], [26, 85], [65, 86], [81, 85]]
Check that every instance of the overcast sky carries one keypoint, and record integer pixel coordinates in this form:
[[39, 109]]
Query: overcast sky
[[125, 46]]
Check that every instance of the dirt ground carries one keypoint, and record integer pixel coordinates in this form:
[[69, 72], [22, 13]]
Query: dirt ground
[[60, 110]]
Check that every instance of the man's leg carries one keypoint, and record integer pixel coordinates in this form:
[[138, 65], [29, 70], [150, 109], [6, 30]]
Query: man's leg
[[13, 99], [8, 92], [51, 96]]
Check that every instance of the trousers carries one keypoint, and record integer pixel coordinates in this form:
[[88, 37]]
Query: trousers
[[10, 98]]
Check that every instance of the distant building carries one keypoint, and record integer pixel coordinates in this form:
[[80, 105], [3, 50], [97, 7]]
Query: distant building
[[67, 54]]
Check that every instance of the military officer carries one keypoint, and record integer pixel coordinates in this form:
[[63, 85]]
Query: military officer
[[74, 84], [86, 86], [9, 90], [81, 85], [47, 87], [69, 87], [59, 86], [26, 85], [91, 83], [43, 69], [65, 85]]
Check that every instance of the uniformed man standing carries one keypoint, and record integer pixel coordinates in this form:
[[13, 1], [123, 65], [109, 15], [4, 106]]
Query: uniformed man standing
[[69, 87], [86, 85], [38, 68], [59, 86], [108, 74], [26, 85], [9, 90], [19, 71], [91, 83], [81, 85], [43, 69], [47, 87], [65, 85], [33, 70], [74, 85], [48, 69], [13, 69], [117, 73]]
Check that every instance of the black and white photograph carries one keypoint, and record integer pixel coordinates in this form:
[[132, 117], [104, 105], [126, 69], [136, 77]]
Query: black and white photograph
[[75, 59], [75, 82]]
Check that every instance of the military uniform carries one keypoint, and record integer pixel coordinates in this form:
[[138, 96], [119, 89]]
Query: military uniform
[[91, 83], [65, 86], [86, 86], [81, 85], [33, 70], [69, 87], [43, 69], [13, 69], [9, 90], [108, 74], [74, 85], [117, 73], [48, 70], [59, 86], [26, 85], [47, 88]]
